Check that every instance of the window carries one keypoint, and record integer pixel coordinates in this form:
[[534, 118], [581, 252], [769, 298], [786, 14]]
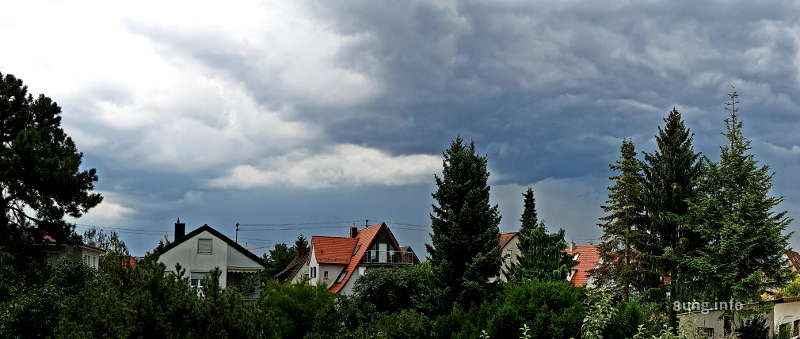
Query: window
[[195, 279], [325, 275], [203, 246], [313, 272]]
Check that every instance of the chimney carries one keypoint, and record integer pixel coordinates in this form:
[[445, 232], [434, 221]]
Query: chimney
[[571, 246], [180, 229], [353, 231]]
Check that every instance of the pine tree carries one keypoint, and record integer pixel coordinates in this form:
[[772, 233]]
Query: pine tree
[[542, 256], [735, 217], [40, 176], [465, 241], [622, 226], [669, 181]]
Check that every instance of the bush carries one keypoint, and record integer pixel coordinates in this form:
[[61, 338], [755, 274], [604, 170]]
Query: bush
[[550, 309]]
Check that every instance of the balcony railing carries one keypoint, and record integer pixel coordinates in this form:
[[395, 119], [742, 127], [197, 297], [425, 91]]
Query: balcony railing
[[378, 257]]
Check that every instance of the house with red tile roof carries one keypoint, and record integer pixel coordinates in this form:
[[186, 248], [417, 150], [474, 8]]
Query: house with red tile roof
[[338, 262], [586, 256]]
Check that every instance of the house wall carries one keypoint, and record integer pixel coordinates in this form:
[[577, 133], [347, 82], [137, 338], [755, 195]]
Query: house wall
[[359, 272], [186, 254], [332, 269], [238, 260], [785, 313], [88, 256], [510, 252], [302, 274]]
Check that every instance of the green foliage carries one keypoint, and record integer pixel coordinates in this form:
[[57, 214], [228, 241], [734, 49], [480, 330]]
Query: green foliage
[[279, 257], [793, 289], [599, 312], [625, 320], [110, 242], [294, 309], [395, 288], [542, 255], [465, 241], [669, 181], [734, 215], [623, 226], [39, 168], [550, 309], [753, 328]]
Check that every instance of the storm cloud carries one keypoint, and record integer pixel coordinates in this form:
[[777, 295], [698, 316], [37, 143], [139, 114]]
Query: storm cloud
[[336, 112]]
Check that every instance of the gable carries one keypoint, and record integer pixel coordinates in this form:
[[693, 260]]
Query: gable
[[239, 253]]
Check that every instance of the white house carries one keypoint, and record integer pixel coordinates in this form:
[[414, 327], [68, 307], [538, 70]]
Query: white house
[[338, 262], [205, 248], [88, 254]]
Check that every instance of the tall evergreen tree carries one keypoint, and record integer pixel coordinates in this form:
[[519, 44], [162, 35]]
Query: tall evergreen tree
[[40, 176], [669, 181], [542, 256], [622, 226], [734, 215], [465, 241]]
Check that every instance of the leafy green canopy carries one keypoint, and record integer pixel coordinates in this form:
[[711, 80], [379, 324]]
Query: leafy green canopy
[[542, 255], [39, 167], [465, 241]]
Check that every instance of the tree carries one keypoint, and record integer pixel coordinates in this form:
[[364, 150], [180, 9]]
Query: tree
[[301, 246], [735, 217], [39, 168], [110, 242], [669, 181], [465, 241], [390, 289], [622, 225], [542, 255], [280, 256]]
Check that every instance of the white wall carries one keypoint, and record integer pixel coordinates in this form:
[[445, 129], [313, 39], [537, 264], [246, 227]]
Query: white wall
[[509, 254], [186, 254], [332, 269], [786, 313]]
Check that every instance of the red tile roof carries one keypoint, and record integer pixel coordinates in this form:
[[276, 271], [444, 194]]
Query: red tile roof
[[506, 237], [333, 250], [794, 260], [364, 238], [588, 258]]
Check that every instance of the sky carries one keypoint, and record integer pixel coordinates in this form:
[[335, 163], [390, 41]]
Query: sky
[[305, 117]]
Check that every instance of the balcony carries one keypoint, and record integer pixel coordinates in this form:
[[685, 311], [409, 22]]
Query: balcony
[[378, 257]]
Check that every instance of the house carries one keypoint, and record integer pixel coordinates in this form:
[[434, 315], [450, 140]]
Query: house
[[338, 262], [781, 314], [205, 248], [509, 250], [89, 255], [587, 258]]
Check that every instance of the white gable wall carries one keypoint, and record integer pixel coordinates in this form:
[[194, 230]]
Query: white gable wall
[[237, 259], [186, 254]]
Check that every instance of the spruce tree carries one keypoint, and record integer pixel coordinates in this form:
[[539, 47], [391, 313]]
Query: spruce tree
[[669, 181], [622, 226], [542, 256], [735, 217], [465, 241]]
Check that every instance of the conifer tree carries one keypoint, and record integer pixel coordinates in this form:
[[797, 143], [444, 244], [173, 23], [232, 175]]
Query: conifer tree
[[622, 225], [465, 241], [41, 179], [542, 256], [735, 217], [669, 181]]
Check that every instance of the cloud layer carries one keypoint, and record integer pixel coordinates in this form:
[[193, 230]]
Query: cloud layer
[[191, 107]]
